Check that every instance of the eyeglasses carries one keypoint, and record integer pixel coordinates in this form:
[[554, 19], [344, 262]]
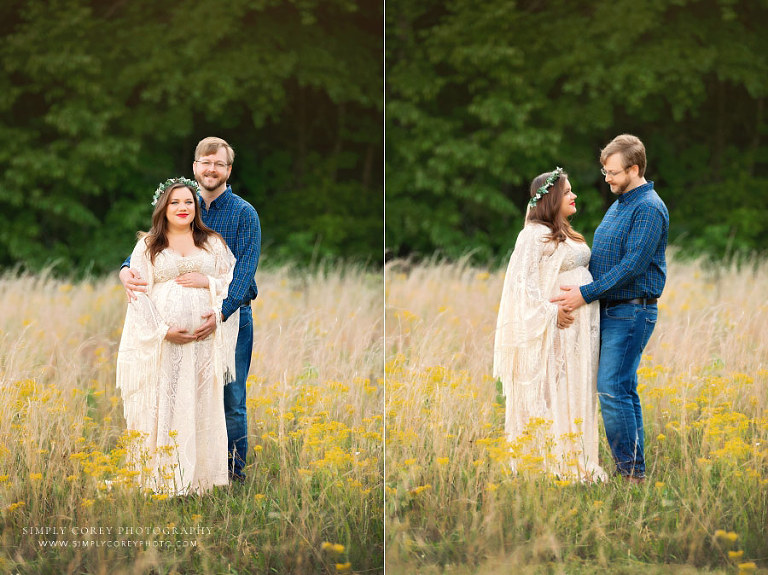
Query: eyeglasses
[[207, 164], [612, 174]]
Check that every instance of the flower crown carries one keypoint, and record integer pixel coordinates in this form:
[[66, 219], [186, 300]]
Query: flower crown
[[551, 179], [172, 182]]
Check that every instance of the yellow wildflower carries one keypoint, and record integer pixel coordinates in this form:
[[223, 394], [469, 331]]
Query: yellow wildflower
[[726, 536], [14, 506], [420, 489], [337, 548]]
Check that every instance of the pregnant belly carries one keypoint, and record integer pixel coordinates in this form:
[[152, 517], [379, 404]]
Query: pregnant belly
[[578, 276], [181, 307]]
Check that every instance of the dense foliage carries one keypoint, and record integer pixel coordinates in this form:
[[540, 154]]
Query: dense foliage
[[482, 98], [102, 100]]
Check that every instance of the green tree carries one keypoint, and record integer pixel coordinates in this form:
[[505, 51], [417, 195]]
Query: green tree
[[105, 100], [481, 99]]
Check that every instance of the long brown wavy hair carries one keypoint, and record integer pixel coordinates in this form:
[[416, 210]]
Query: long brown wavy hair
[[547, 210], [157, 237]]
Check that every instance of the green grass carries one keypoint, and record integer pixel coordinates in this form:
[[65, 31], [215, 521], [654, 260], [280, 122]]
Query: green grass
[[313, 498], [454, 506]]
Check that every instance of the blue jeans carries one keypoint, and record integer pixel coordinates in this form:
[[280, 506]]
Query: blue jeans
[[624, 331], [234, 397]]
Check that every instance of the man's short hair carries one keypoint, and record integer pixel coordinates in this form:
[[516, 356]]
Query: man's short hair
[[208, 146], [631, 149]]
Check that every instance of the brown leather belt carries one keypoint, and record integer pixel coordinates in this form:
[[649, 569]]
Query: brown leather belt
[[637, 300]]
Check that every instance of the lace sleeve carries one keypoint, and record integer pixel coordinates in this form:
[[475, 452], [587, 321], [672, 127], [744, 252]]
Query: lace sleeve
[[224, 265], [527, 319], [138, 357], [227, 331], [147, 322]]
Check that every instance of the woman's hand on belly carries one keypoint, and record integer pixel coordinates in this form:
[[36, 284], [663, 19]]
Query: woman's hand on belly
[[564, 319], [192, 280], [179, 335], [208, 327]]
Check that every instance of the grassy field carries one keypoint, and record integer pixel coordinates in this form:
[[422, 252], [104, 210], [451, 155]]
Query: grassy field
[[452, 506], [313, 501]]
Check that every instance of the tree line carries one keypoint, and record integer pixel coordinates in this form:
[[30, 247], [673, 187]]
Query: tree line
[[103, 100], [481, 98]]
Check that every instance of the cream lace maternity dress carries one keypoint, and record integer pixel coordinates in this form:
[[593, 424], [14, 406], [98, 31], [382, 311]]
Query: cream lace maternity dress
[[174, 394], [549, 375]]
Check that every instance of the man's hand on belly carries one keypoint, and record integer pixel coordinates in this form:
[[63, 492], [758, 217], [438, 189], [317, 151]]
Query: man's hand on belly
[[570, 300]]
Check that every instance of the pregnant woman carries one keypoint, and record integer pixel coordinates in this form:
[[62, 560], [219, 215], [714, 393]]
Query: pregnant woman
[[545, 357], [173, 384]]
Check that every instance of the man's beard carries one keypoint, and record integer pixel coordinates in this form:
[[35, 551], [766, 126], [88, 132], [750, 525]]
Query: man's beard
[[620, 189], [217, 179]]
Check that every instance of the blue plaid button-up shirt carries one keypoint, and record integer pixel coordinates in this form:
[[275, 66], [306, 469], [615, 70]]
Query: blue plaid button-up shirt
[[238, 223], [628, 251]]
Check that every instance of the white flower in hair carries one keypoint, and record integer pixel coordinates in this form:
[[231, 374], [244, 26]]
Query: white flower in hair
[[551, 179]]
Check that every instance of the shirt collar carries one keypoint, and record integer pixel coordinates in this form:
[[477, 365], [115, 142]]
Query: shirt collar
[[222, 200], [636, 192]]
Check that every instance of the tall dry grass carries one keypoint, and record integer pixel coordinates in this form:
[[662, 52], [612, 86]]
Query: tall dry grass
[[313, 500], [452, 505]]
